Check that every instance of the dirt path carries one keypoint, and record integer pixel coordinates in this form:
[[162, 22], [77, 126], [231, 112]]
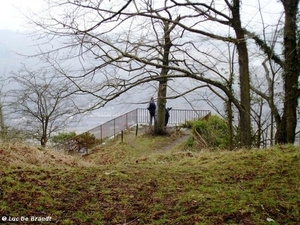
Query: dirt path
[[184, 136]]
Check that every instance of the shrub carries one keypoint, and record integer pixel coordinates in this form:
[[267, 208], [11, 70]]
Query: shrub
[[63, 136], [214, 131], [188, 124], [87, 140], [190, 141]]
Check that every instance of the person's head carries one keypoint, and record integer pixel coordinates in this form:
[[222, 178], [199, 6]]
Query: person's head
[[152, 99]]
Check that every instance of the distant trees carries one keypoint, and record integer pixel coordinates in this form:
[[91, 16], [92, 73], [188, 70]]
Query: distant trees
[[3, 126], [163, 41], [41, 102]]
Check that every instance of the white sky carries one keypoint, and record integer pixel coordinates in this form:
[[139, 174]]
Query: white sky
[[11, 17]]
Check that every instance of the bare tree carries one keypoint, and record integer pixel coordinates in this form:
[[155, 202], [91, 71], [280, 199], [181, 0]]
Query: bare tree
[[267, 86], [41, 102], [103, 35], [287, 122], [3, 126], [141, 55]]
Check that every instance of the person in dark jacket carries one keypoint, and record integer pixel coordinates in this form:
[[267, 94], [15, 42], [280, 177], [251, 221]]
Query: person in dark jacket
[[152, 108], [167, 115]]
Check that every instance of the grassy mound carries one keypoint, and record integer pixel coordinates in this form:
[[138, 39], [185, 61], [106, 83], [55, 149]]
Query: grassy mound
[[140, 182]]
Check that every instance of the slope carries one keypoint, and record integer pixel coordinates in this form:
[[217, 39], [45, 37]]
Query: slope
[[135, 182]]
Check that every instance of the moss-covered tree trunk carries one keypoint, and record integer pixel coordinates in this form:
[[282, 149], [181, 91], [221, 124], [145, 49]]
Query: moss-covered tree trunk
[[159, 127], [286, 131]]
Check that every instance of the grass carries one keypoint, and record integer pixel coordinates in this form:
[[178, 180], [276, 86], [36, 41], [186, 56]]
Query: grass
[[136, 182]]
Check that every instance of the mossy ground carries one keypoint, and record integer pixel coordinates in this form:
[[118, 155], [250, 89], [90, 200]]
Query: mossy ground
[[134, 182]]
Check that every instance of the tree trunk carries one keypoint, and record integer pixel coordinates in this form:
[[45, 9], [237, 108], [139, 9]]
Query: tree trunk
[[244, 110], [43, 142], [159, 127], [2, 124], [230, 124], [259, 124], [286, 131], [44, 138]]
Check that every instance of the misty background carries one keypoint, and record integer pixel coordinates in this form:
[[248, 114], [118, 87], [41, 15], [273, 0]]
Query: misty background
[[17, 48]]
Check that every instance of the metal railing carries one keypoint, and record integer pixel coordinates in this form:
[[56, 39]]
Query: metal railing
[[141, 116]]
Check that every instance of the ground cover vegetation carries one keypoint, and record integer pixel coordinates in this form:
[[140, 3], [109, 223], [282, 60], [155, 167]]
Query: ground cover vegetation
[[214, 131], [152, 180]]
